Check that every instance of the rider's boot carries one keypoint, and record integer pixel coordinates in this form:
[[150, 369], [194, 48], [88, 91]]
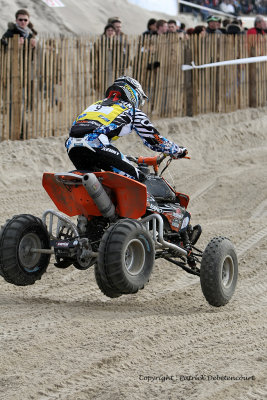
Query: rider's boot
[[194, 234], [187, 245]]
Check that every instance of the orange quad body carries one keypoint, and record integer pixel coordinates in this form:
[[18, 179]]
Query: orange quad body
[[128, 196]]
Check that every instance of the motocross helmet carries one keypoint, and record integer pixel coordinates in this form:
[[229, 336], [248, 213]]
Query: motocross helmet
[[131, 90]]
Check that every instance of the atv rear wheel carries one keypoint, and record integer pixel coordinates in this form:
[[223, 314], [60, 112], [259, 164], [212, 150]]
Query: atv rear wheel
[[126, 256], [18, 236], [219, 271]]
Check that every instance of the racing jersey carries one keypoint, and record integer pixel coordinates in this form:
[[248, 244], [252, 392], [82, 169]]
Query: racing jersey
[[104, 121]]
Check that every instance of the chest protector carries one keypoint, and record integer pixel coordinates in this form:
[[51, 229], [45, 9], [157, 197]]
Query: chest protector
[[98, 117]]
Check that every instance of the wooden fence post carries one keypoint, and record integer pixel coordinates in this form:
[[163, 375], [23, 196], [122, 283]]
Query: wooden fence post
[[110, 65], [188, 83], [217, 78], [15, 103], [252, 80]]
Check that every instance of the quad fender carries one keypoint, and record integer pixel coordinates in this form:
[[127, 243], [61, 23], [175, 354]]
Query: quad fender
[[183, 199], [128, 196]]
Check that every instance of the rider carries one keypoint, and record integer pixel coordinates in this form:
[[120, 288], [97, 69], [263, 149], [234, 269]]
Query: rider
[[89, 144]]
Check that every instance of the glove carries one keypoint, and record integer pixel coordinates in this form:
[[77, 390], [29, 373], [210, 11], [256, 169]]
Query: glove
[[181, 153]]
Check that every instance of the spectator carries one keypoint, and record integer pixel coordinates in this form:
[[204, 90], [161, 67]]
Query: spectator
[[237, 7], [225, 22], [22, 27], [213, 24], [162, 26], [246, 6], [109, 30], [182, 31], [172, 26], [151, 27], [190, 31], [259, 7], [259, 26], [219, 22], [238, 21], [200, 30], [122, 38], [182, 27], [117, 26], [204, 13], [235, 28], [227, 7]]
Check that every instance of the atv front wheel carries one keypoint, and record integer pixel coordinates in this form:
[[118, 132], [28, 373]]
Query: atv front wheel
[[219, 271], [126, 256], [18, 264]]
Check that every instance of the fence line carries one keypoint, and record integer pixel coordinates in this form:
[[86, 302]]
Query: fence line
[[42, 90]]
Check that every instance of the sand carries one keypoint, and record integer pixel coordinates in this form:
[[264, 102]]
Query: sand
[[61, 338]]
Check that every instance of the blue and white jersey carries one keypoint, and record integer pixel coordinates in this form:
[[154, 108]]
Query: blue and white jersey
[[103, 122]]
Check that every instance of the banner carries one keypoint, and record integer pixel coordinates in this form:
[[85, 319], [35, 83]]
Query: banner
[[239, 61], [167, 6], [53, 3]]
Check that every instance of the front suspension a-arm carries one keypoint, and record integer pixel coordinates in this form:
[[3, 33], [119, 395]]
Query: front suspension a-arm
[[157, 234], [196, 271]]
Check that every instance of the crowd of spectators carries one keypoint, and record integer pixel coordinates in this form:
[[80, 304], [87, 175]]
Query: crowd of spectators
[[213, 24], [233, 7]]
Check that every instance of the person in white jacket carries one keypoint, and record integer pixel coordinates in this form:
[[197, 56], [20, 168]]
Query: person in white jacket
[[227, 7]]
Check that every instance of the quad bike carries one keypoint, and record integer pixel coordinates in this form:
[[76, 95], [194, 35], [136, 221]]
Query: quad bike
[[122, 227]]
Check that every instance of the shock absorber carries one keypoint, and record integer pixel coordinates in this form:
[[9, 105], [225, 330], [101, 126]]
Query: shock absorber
[[187, 245]]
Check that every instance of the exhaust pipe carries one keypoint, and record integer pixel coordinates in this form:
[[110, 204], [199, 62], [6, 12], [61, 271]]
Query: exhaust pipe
[[95, 190]]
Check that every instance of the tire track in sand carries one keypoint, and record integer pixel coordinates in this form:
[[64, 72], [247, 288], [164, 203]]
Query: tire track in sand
[[189, 280], [243, 247]]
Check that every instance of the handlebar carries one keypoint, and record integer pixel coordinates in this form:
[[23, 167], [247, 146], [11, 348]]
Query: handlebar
[[152, 161], [156, 160]]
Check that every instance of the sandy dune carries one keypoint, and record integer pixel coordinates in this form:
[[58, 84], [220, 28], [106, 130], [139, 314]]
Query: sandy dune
[[63, 339]]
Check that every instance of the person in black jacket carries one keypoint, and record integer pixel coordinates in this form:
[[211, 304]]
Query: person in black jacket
[[213, 24], [22, 27], [151, 27]]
